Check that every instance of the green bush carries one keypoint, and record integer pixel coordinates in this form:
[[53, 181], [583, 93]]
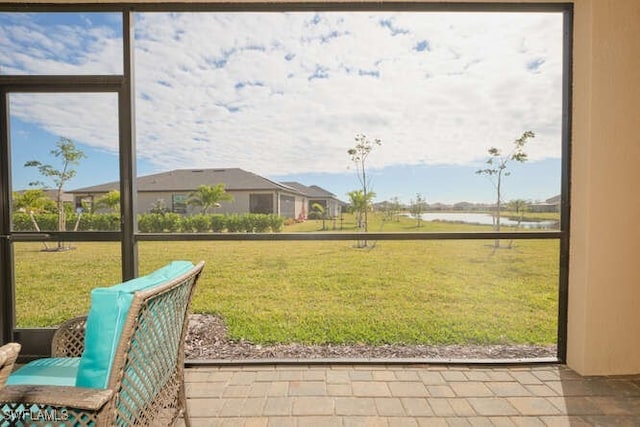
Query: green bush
[[94, 222], [315, 215], [235, 223], [202, 223], [276, 222], [46, 222], [104, 222], [157, 222], [197, 223], [218, 222], [22, 222], [247, 222], [151, 223], [172, 222], [49, 222], [187, 225], [261, 223]]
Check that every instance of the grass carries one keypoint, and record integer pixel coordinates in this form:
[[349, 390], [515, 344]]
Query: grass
[[404, 223], [432, 292]]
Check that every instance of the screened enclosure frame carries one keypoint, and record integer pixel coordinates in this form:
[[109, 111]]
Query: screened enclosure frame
[[34, 341]]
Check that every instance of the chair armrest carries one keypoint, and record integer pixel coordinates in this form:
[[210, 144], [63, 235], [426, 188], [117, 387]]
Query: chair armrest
[[68, 340], [89, 399], [8, 355]]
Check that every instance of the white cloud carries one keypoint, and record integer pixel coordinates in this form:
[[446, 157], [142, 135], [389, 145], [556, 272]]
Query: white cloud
[[286, 93]]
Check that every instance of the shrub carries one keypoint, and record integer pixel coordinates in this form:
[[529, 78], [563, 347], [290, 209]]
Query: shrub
[[22, 222], [315, 215], [248, 223], [151, 223], [260, 223], [234, 223], [158, 223], [187, 224], [47, 221], [95, 222], [217, 222], [197, 223], [105, 222], [172, 222], [276, 223]]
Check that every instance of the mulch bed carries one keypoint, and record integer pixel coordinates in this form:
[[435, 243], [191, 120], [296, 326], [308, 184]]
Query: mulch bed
[[207, 340]]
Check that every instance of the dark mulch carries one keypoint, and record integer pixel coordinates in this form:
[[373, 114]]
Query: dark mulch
[[207, 340]]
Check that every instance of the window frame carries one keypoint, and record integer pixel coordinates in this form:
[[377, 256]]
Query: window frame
[[129, 236]]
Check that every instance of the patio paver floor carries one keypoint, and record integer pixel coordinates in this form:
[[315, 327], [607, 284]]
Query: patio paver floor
[[408, 395]]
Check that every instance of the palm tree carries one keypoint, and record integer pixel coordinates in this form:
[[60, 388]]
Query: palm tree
[[110, 201], [321, 212], [209, 196]]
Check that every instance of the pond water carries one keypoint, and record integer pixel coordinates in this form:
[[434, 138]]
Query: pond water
[[484, 219]]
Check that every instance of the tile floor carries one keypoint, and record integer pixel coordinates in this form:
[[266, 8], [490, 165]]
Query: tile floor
[[408, 395]]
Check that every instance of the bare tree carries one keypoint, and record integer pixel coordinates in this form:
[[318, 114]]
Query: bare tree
[[417, 208], [69, 155], [359, 155], [497, 170]]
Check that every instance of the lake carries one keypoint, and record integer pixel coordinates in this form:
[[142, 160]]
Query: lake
[[484, 219]]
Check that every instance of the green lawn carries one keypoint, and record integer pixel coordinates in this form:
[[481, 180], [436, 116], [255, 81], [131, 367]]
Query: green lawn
[[404, 223], [434, 292]]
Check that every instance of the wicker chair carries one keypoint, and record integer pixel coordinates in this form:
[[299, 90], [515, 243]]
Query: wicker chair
[[146, 381], [8, 355]]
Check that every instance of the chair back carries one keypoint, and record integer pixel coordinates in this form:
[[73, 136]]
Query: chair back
[[148, 371]]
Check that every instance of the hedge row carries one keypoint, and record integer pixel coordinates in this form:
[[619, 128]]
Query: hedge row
[[158, 223], [49, 222]]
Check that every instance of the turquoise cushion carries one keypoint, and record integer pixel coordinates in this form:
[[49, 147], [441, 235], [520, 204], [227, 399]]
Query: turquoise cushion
[[51, 371], [108, 312]]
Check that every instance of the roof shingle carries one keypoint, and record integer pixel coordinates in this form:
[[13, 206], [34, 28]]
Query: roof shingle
[[235, 179]]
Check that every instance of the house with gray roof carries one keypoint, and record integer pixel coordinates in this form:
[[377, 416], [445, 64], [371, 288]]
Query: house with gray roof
[[251, 193], [315, 194], [552, 204]]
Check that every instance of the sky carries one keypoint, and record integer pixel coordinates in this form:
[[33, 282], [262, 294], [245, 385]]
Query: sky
[[284, 95]]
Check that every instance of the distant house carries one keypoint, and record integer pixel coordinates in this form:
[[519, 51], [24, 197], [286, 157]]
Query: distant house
[[550, 205], [463, 206], [251, 193], [439, 207], [315, 194]]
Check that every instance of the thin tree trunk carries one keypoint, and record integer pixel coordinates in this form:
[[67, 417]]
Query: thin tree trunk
[[35, 225], [61, 219]]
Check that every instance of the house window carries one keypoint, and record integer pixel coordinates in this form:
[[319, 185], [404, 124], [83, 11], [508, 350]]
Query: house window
[[287, 206], [179, 203], [261, 203]]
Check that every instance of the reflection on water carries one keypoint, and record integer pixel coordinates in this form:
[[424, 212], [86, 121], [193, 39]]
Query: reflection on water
[[485, 219]]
